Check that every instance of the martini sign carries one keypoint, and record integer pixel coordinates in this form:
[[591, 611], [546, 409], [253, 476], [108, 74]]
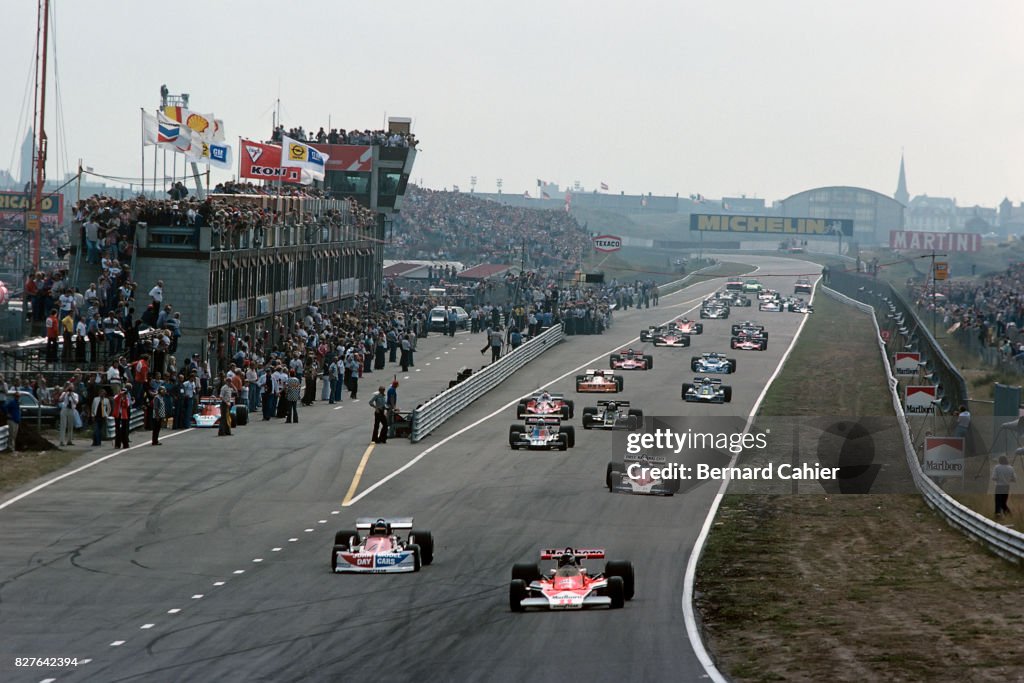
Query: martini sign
[[607, 243]]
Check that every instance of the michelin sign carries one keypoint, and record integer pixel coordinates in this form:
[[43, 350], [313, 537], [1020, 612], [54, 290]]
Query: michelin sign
[[773, 225]]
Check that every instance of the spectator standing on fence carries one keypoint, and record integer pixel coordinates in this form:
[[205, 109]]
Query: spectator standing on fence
[[13, 409], [1003, 475], [100, 413]]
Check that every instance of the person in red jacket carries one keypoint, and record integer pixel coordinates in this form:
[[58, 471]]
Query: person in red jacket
[[52, 335], [121, 409]]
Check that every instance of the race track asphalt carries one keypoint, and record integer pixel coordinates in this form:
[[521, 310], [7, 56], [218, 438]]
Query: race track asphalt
[[207, 559]]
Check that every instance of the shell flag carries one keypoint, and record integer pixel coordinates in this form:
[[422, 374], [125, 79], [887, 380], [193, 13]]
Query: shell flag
[[208, 128]]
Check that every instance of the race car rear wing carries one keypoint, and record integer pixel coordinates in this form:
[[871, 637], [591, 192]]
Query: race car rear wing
[[714, 380], [542, 420], [553, 395], [591, 372], [395, 522], [604, 402], [585, 553]]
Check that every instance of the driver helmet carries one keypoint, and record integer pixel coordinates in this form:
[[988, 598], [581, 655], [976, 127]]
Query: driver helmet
[[568, 559], [380, 528], [545, 396], [612, 405]]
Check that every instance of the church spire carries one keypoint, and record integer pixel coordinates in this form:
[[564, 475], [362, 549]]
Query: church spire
[[902, 196]]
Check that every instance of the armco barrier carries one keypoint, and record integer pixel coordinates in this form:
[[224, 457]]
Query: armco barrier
[[135, 420], [676, 285], [1003, 541], [4, 437], [432, 414]]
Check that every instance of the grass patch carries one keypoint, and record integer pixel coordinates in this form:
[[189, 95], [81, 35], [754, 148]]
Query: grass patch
[[849, 587], [18, 470]]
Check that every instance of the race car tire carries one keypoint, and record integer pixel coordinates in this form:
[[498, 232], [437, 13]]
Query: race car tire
[[521, 410], [624, 570], [694, 363], [698, 329], [334, 556], [617, 592], [609, 474], [565, 412], [650, 362], [526, 572], [241, 415], [686, 388], [513, 432], [425, 540], [563, 442], [346, 538], [636, 418], [611, 361], [417, 556], [570, 434], [727, 392], [572, 408], [732, 364], [589, 414], [619, 382], [516, 595]]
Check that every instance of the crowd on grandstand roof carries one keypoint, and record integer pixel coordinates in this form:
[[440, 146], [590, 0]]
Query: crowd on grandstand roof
[[339, 136], [436, 224]]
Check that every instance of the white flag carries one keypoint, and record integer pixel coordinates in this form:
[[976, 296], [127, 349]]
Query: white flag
[[212, 154], [300, 155]]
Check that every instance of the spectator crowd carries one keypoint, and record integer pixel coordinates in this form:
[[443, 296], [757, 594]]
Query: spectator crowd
[[339, 136]]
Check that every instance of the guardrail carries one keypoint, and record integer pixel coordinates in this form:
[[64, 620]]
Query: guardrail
[[901, 318], [676, 285], [1002, 540], [435, 412], [4, 437], [135, 420]]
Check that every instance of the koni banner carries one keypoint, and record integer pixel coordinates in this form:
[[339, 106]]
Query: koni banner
[[913, 240], [773, 225], [261, 161]]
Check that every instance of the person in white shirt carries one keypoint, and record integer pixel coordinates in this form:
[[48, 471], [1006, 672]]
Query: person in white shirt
[[1003, 475], [100, 413], [68, 405], [157, 293]]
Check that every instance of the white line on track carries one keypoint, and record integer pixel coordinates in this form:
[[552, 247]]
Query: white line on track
[[588, 364], [54, 480], [218, 583], [692, 631], [146, 626], [174, 611], [257, 559], [339, 407], [197, 596], [117, 643]]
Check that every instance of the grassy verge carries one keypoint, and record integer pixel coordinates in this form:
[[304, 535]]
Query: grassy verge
[[817, 587], [38, 457]]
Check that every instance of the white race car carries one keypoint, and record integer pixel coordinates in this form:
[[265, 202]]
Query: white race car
[[713, 362]]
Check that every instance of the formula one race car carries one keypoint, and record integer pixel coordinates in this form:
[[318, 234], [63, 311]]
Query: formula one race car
[[208, 413], [570, 585], [803, 286], [707, 390], [647, 334], [636, 474], [749, 343], [748, 328], [687, 326], [541, 433], [630, 360], [713, 362], [771, 306], [795, 304], [381, 551], [714, 309], [768, 295], [733, 298], [671, 337], [752, 285], [612, 415], [598, 382], [734, 284], [545, 403]]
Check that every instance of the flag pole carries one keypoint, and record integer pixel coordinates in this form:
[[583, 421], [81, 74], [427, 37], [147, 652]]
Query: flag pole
[[142, 148]]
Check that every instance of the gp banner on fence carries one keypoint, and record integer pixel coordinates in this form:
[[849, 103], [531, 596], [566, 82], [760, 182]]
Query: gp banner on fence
[[705, 222], [934, 241], [261, 161], [15, 207]]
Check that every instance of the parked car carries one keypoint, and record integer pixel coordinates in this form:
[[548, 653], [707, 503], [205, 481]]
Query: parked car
[[31, 410]]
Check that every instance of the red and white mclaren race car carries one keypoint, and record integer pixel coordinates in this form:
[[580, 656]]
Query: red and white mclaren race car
[[628, 359], [671, 337], [749, 343], [546, 403], [687, 326], [381, 551], [599, 382], [570, 585]]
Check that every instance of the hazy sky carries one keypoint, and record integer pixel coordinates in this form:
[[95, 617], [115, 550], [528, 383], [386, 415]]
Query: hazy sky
[[716, 98]]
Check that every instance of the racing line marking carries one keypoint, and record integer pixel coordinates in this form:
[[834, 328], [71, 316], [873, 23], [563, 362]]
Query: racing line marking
[[173, 611], [349, 500], [359, 474], [145, 626]]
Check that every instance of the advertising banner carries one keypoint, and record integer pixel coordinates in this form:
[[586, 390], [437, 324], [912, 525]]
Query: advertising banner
[[356, 158], [607, 243], [261, 161], [918, 399], [906, 362], [934, 241], [943, 456], [775, 225]]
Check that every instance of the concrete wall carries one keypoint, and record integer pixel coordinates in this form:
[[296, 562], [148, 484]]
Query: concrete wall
[[186, 288]]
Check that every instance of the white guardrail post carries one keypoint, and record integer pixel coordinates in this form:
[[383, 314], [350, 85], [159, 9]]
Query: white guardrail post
[[135, 420], [4, 437], [435, 412], [1003, 541]]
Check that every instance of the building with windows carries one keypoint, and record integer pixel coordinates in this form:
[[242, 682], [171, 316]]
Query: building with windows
[[873, 214]]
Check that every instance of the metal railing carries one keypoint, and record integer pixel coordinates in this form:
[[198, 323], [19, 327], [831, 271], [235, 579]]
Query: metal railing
[[1002, 540], [435, 412], [135, 420], [676, 285], [900, 318], [4, 437]]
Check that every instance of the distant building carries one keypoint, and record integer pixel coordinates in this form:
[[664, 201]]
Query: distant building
[[873, 214]]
